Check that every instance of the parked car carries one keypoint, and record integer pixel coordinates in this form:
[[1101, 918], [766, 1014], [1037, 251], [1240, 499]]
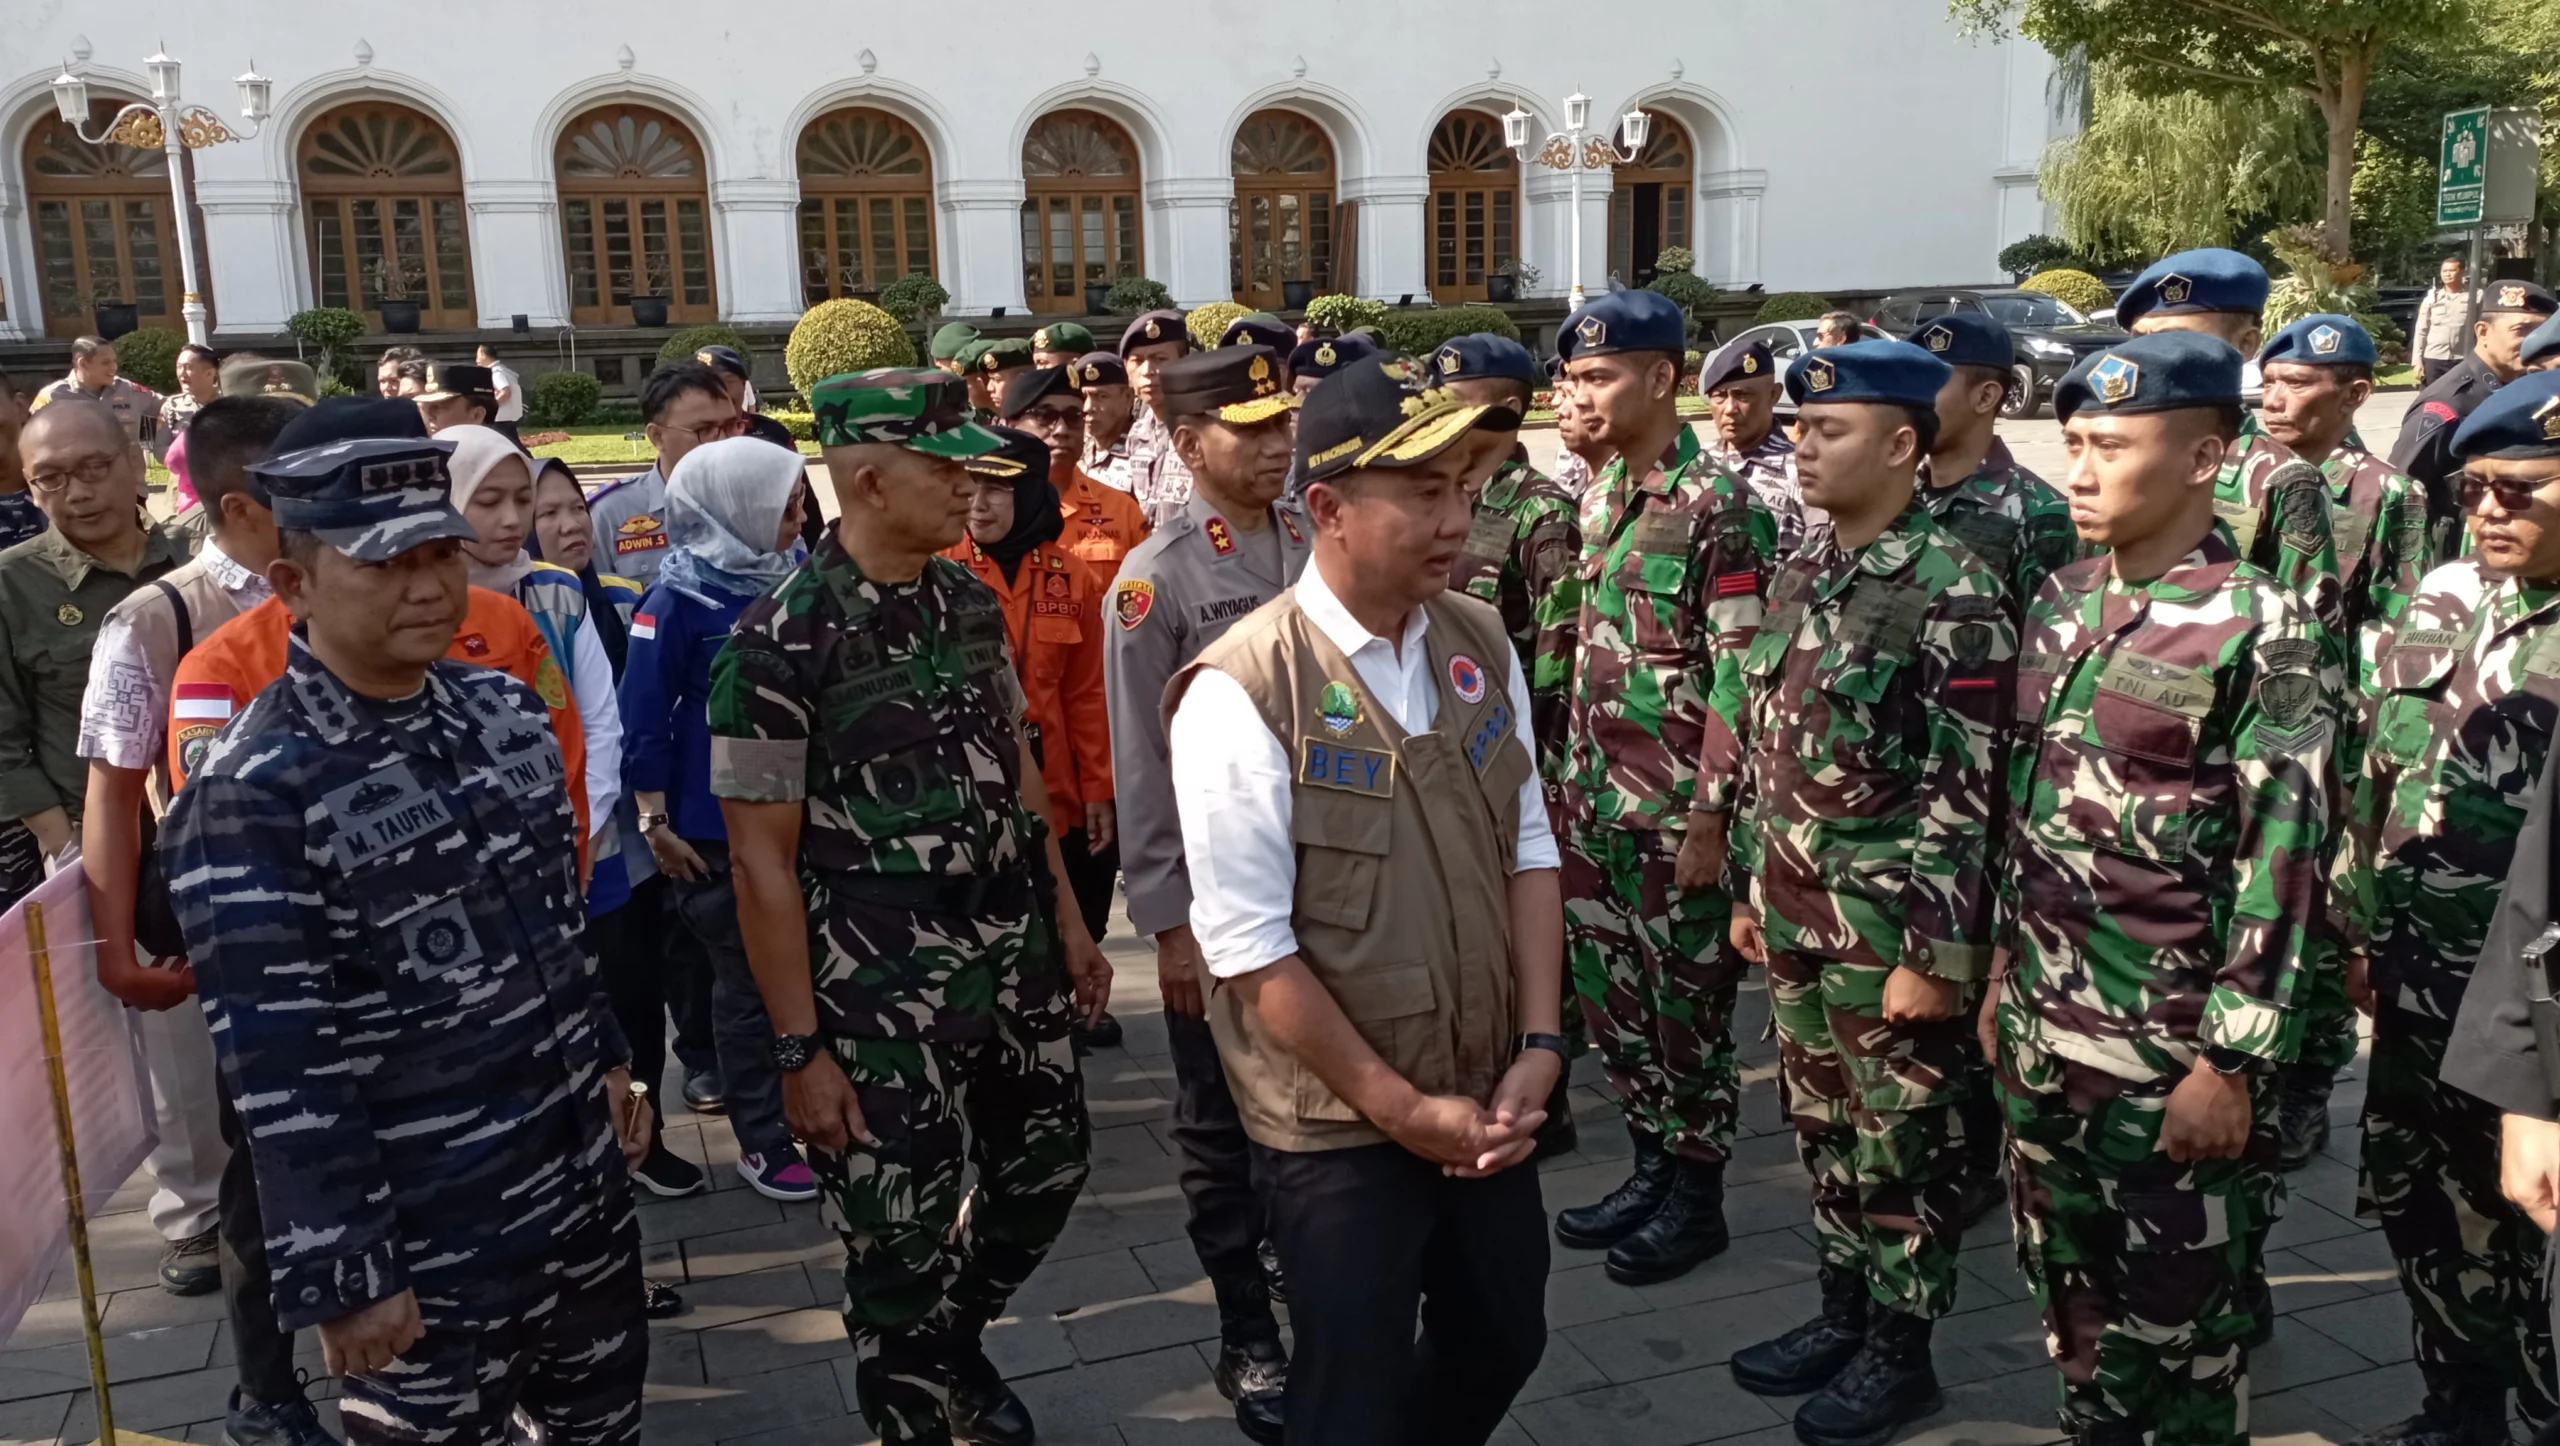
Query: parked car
[[2047, 334], [1788, 340]]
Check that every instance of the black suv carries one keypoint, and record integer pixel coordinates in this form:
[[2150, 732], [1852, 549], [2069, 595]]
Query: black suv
[[2047, 333]]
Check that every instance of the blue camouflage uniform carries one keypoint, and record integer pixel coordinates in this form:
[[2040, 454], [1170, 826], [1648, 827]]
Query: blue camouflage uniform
[[381, 901]]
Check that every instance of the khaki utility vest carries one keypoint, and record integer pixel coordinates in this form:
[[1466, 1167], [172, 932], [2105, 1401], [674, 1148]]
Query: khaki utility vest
[[1405, 843]]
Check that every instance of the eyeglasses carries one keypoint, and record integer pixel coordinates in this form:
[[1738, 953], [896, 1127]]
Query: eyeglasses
[[2514, 498], [1052, 416], [89, 472], [733, 425]]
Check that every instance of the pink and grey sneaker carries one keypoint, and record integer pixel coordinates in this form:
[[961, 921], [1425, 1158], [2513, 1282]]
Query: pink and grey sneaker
[[783, 1176]]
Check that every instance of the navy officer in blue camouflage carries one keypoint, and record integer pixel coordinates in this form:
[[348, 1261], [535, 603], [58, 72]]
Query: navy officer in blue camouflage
[[376, 868]]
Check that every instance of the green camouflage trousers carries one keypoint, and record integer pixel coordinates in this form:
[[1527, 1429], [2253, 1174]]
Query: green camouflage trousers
[[1657, 980], [1874, 1106], [2325, 1017], [2139, 1262], [2470, 1263], [915, 1277]]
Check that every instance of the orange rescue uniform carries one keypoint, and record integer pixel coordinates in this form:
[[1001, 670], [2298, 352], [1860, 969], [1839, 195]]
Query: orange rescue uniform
[[1053, 620], [236, 661], [1103, 523]]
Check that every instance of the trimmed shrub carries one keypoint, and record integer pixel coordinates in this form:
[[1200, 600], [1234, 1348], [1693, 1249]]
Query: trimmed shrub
[[150, 356], [1417, 331], [1675, 276], [615, 414], [1341, 313], [2036, 253], [844, 335], [1791, 306], [682, 345], [333, 329], [1135, 294], [1207, 323], [562, 399], [913, 295], [803, 426], [2076, 288]]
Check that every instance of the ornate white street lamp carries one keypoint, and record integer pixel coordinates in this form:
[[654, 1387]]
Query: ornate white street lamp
[[1576, 152], [170, 123]]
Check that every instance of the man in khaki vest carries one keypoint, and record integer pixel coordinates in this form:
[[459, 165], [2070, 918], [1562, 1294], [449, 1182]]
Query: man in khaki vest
[[1374, 893]]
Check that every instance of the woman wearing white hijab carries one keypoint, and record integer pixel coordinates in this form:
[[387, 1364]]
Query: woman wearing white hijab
[[733, 528]]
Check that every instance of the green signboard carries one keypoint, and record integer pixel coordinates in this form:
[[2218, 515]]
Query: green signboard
[[2462, 169]]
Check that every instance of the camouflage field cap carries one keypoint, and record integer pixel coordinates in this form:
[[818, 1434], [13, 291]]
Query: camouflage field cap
[[372, 498], [922, 411], [256, 376]]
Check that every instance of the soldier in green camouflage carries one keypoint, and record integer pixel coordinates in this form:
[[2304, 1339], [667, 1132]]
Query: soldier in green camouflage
[[2169, 798], [2466, 698], [1672, 575], [868, 751], [1880, 687]]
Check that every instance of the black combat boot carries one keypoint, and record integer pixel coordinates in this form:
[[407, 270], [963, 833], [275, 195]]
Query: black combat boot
[[1889, 1382], [1688, 1228], [1616, 1215], [984, 1410], [1806, 1358], [2259, 1299], [898, 1389], [1252, 1369], [2100, 1433], [2302, 1114], [2460, 1413], [1558, 1135]]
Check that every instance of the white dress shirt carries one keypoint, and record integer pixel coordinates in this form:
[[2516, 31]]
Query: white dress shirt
[[124, 710], [1231, 783]]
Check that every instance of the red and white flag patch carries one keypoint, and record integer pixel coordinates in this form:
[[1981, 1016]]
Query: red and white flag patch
[[201, 703], [644, 625]]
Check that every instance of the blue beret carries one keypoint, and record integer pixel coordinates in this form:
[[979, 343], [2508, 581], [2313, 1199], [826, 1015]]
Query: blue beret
[[1481, 354], [372, 498], [1737, 361], [2542, 344], [2207, 279], [1315, 360], [1627, 321], [2324, 338], [2166, 371], [1868, 371], [1967, 339], [2520, 419]]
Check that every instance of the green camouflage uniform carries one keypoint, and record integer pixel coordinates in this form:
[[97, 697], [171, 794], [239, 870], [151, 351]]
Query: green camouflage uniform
[[1881, 686], [2011, 519], [2170, 797], [1521, 555], [2466, 699], [890, 711], [1671, 571]]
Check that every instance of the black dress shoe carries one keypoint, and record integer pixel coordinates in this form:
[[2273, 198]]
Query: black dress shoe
[[2302, 1114], [2476, 1416], [1103, 1033], [705, 1093], [1806, 1358], [1889, 1382], [1255, 1375], [984, 1410], [1618, 1214], [255, 1423], [1687, 1229]]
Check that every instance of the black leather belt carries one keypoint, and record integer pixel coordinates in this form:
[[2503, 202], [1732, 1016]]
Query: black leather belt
[[964, 894]]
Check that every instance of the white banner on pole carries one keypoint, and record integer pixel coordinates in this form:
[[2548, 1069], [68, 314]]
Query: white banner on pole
[[101, 1062]]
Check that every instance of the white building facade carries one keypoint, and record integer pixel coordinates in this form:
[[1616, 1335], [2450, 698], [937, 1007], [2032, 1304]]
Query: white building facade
[[488, 161]]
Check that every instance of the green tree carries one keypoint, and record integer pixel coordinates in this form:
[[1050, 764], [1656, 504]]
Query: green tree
[[2325, 49], [2153, 173]]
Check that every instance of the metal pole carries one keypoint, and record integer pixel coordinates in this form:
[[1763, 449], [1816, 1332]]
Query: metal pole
[[193, 306], [52, 1024], [2476, 287], [1576, 139]]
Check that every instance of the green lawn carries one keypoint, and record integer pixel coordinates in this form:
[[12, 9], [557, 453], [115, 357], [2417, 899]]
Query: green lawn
[[608, 445]]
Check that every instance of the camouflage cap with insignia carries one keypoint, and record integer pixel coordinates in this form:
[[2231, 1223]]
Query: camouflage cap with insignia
[[248, 375], [372, 498], [922, 411], [1384, 413]]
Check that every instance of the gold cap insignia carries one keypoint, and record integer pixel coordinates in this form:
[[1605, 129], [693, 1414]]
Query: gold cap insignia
[[2549, 416], [1937, 338], [1750, 363], [2116, 379], [1450, 361], [1040, 339], [1324, 355], [1593, 331], [1819, 376], [990, 361], [69, 615], [2511, 296], [2175, 289], [1154, 329], [2325, 339]]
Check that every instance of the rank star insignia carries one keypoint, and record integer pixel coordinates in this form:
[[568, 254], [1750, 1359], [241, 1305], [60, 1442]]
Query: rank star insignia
[[1818, 376], [2175, 289], [2326, 339], [1937, 338], [1290, 521], [2115, 379], [1222, 538]]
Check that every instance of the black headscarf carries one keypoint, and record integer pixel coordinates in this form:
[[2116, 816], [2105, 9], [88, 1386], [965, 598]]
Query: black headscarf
[[602, 614], [1036, 518]]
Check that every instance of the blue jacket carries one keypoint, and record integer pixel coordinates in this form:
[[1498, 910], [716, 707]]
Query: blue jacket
[[666, 688]]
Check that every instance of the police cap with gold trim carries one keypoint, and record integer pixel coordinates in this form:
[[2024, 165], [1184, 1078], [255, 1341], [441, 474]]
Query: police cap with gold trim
[[1239, 384], [1313, 361], [1385, 413], [2167, 371]]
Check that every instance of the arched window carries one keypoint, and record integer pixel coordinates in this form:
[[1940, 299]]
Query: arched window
[[1079, 209], [1283, 213], [635, 206], [1649, 201], [103, 230], [866, 204], [382, 190], [1475, 197]]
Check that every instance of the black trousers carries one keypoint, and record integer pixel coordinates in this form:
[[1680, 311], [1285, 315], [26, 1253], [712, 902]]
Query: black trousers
[[740, 1028], [1217, 1179], [1369, 1236], [687, 974], [264, 1349], [2430, 368], [1090, 877], [630, 948]]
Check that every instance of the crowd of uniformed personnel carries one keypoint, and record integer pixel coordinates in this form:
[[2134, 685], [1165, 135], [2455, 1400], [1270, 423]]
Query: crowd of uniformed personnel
[[2071, 827]]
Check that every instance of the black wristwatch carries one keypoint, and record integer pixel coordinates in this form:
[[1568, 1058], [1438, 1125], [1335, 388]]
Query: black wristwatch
[[2223, 1059], [792, 1052], [1553, 1043]]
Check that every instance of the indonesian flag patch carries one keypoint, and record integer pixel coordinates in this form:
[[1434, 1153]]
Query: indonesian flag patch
[[644, 625], [201, 703]]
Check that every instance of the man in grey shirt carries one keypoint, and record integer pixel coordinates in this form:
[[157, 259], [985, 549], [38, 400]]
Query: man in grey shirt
[[685, 404]]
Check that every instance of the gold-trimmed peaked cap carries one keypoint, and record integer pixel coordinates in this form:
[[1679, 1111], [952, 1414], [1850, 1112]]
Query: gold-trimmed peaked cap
[[1240, 384], [1382, 412]]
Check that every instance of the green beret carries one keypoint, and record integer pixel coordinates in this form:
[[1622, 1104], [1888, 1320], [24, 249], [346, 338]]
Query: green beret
[[1066, 336], [952, 336]]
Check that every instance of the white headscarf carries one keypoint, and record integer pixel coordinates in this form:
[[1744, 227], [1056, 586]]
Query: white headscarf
[[476, 452], [725, 504]]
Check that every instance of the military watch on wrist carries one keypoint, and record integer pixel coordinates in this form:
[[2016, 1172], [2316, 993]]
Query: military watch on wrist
[[1554, 1043], [792, 1052], [650, 821], [2223, 1059]]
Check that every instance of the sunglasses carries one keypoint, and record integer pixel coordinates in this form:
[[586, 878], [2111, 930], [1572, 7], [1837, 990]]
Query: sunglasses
[[2513, 497]]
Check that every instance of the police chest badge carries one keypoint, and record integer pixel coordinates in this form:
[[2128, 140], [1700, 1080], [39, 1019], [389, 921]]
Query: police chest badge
[[1132, 601], [1338, 708], [69, 615]]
